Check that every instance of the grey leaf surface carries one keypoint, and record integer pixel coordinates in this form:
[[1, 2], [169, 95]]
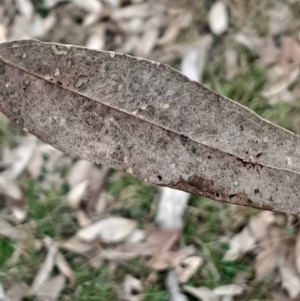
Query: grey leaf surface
[[148, 119]]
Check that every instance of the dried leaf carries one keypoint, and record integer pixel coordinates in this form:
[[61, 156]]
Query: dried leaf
[[77, 246], [271, 254], [35, 163], [96, 39], [174, 289], [110, 230], [128, 113], [297, 253], [17, 292], [136, 236], [45, 270], [187, 268], [51, 289], [82, 219], [92, 6], [64, 268], [8, 230], [290, 280], [157, 242], [164, 259], [201, 293], [2, 293], [228, 290], [240, 244], [77, 193], [79, 172], [10, 189], [132, 287], [18, 158]]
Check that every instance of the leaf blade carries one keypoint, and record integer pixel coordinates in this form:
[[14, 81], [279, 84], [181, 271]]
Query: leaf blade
[[149, 120]]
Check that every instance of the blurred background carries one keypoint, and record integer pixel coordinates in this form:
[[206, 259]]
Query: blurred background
[[74, 230]]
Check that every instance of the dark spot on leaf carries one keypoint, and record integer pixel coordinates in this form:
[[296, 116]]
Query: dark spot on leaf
[[183, 139], [2, 68]]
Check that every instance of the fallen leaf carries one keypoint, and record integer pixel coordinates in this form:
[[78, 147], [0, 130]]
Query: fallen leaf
[[157, 242], [35, 164], [18, 158], [2, 293], [17, 292], [290, 280], [96, 39], [74, 244], [270, 256], [136, 236], [243, 164], [64, 268], [45, 270], [109, 230], [82, 219], [10, 188], [259, 224], [50, 290], [231, 59], [240, 244], [187, 268], [7, 230], [79, 172], [297, 253], [201, 293], [77, 193], [132, 287], [115, 255], [92, 6], [164, 259], [173, 288], [228, 290]]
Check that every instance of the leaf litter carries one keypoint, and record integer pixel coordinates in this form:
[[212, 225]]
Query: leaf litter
[[275, 252]]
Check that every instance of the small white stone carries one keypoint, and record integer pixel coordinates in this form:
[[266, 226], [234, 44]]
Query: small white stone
[[56, 73], [218, 18], [289, 161], [24, 56]]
